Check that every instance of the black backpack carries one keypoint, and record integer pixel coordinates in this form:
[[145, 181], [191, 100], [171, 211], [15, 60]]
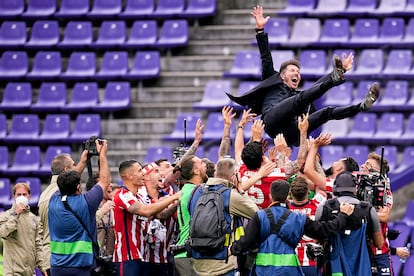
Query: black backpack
[[208, 225]]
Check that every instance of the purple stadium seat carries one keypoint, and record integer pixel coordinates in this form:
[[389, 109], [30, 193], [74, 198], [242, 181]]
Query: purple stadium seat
[[26, 161], [13, 65], [4, 158], [390, 154], [277, 30], [365, 33], [111, 34], [305, 31], [200, 8], [392, 30], [213, 153], [389, 7], [214, 127], [3, 126], [11, 8], [117, 96], [328, 7], [72, 8], [81, 65], [408, 10], [85, 95], [280, 56], [398, 63], [50, 154], [184, 128], [334, 32], [12, 34], [105, 8], [24, 128], [5, 193], [144, 33], [339, 95], [114, 65], [147, 65], [408, 39], [168, 8], [214, 97], [338, 128], [40, 8], [312, 63], [35, 188], [404, 230], [357, 152], [138, 9], [364, 127], [173, 33], [359, 7], [52, 96], [297, 7], [86, 125], [78, 34], [395, 95], [56, 128], [408, 136], [407, 160], [409, 215], [46, 65], [246, 65], [17, 96], [44, 34], [408, 266], [157, 152], [331, 154], [370, 64], [391, 125]]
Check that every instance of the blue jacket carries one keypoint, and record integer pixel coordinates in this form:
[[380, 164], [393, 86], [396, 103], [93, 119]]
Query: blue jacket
[[275, 256], [70, 245]]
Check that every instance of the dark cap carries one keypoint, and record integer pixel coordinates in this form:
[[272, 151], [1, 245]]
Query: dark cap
[[279, 190], [344, 182]]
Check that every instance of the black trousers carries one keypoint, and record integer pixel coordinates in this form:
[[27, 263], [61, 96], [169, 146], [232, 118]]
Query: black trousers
[[282, 117]]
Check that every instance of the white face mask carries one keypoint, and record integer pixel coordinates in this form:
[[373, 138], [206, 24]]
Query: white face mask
[[22, 199]]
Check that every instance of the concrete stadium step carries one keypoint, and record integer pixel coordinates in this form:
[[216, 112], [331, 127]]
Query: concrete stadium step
[[217, 47]]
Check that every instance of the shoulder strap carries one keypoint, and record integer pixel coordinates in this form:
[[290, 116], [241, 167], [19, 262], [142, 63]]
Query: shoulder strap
[[275, 227], [67, 207]]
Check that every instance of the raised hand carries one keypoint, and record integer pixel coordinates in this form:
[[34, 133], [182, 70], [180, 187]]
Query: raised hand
[[347, 61], [257, 13], [228, 115], [247, 116]]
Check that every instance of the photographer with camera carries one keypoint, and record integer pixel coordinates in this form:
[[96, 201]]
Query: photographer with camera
[[72, 220], [348, 251], [375, 169]]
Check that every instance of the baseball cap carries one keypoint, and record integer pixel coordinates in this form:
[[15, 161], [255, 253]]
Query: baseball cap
[[344, 182]]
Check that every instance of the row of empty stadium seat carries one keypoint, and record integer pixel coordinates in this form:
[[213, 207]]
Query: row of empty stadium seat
[[48, 65], [335, 32], [396, 95], [80, 34], [56, 128], [369, 63], [348, 8], [107, 8], [52, 97], [369, 128]]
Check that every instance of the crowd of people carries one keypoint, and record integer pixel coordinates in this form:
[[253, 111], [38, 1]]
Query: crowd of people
[[281, 214]]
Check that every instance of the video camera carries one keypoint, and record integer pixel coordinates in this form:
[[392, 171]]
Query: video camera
[[371, 187], [90, 145]]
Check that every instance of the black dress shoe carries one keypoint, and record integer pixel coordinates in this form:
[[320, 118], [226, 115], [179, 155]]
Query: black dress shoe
[[337, 75], [371, 97]]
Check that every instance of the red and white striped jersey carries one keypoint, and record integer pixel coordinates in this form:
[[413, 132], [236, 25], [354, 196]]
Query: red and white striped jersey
[[260, 191], [308, 209], [389, 201], [130, 229]]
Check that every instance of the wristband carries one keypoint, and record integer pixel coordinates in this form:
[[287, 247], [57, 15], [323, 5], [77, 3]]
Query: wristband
[[261, 30], [239, 126]]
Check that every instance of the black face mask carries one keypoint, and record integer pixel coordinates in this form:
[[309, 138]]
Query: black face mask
[[329, 171]]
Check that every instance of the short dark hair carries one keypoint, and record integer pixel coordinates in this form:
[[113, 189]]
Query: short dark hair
[[68, 182], [210, 167], [299, 188], [285, 64], [187, 167], [252, 155], [126, 165], [279, 190], [350, 164], [159, 161]]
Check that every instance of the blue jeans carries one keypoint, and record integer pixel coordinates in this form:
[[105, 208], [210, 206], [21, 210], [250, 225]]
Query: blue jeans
[[132, 268]]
